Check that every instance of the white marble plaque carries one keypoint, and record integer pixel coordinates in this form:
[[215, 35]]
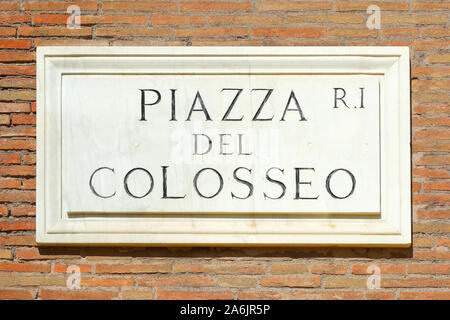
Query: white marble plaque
[[223, 146]]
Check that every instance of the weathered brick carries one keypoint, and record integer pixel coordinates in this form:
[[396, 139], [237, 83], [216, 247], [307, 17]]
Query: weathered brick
[[236, 281], [17, 57], [288, 269], [23, 211], [284, 32], [9, 158], [363, 5], [153, 6], [244, 20], [32, 280], [328, 269], [137, 294], [68, 294], [429, 268], [334, 283], [5, 254], [431, 6], [8, 107], [214, 6], [258, 295], [84, 32], [193, 295], [14, 225], [294, 5], [291, 282], [384, 269], [59, 5], [176, 282], [18, 240], [122, 32], [211, 33], [136, 268], [325, 295], [421, 295], [226, 269]]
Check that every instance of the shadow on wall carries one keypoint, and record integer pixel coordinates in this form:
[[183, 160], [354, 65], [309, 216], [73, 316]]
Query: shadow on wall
[[232, 252]]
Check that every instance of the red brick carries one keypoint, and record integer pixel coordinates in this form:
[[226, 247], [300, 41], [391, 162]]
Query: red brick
[[18, 240], [294, 5], [414, 283], [9, 184], [16, 294], [9, 158], [214, 6], [23, 211], [193, 295], [432, 255], [18, 82], [168, 19], [431, 6], [325, 295], [29, 159], [427, 146], [17, 144], [380, 295], [68, 294], [15, 44], [7, 31], [227, 269], [106, 282], [431, 199], [435, 72], [440, 160], [24, 119], [62, 268], [328, 269], [153, 6], [122, 32], [84, 32], [3, 212], [289, 32], [24, 267], [7, 107], [258, 295], [430, 173], [429, 269], [384, 269], [176, 282], [59, 5], [14, 18], [9, 6], [21, 131], [291, 282], [440, 186], [428, 134], [435, 32], [14, 225], [443, 242], [363, 5], [211, 33], [16, 70], [288, 269], [136, 268], [17, 171], [421, 295]]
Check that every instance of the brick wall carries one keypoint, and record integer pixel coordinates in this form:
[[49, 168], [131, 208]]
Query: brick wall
[[420, 272]]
